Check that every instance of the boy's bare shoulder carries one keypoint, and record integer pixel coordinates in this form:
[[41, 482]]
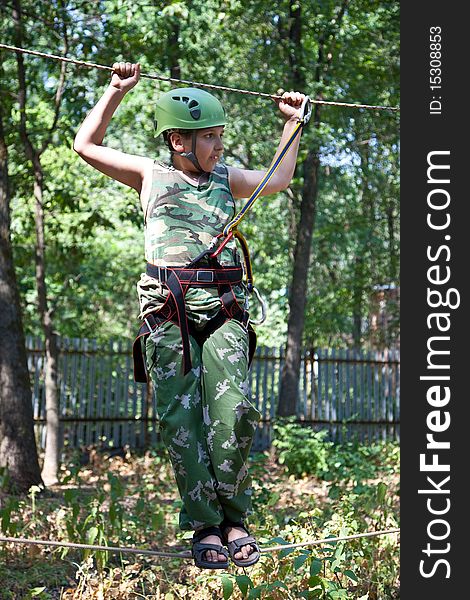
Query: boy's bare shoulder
[[151, 167]]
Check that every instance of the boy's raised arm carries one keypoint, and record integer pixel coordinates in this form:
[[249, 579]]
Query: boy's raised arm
[[129, 169], [244, 181]]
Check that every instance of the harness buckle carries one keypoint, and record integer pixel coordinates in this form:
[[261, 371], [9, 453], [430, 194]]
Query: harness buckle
[[148, 325], [162, 274], [204, 276]]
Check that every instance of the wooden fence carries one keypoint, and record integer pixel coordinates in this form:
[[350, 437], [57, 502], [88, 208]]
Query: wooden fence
[[351, 393]]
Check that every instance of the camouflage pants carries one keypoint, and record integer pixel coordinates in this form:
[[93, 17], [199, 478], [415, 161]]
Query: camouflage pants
[[206, 420]]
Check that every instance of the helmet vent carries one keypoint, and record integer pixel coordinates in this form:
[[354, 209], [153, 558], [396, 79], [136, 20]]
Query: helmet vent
[[194, 109], [193, 106]]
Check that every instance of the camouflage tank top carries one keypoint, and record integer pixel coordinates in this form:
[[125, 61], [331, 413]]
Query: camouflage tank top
[[180, 222]]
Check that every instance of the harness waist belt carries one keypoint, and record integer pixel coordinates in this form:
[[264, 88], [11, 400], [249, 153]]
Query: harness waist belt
[[197, 277]]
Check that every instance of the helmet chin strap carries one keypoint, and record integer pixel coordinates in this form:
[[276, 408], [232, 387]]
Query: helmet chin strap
[[191, 156]]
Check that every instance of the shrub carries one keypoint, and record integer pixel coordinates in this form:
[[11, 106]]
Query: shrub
[[302, 450]]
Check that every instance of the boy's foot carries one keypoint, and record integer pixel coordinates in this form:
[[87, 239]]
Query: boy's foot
[[212, 555], [243, 548], [207, 549], [235, 533]]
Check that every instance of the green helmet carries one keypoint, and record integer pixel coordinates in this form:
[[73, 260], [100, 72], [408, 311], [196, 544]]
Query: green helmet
[[187, 108]]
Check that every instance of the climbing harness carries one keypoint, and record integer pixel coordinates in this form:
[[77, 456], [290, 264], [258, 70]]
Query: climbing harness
[[177, 280], [223, 88]]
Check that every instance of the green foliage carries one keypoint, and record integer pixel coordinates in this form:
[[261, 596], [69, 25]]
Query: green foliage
[[354, 463], [23, 580], [9, 507], [361, 484], [301, 450]]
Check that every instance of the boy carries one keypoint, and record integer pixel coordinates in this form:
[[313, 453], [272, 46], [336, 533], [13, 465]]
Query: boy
[[197, 329]]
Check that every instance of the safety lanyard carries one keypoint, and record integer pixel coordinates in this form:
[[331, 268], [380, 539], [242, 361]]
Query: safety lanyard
[[306, 109], [217, 244]]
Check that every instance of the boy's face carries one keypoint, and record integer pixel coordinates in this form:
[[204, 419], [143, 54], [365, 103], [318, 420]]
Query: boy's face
[[209, 146]]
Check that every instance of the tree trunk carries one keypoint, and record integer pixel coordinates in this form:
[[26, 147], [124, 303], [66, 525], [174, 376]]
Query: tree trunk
[[18, 452], [297, 300], [51, 458], [364, 261], [50, 466], [357, 300], [393, 258], [289, 387], [174, 50]]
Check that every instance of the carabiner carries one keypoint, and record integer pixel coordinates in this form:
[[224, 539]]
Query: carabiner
[[263, 308], [222, 245], [306, 111]]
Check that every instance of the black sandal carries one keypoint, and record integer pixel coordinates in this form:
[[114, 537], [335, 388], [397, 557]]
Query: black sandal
[[198, 549], [235, 546]]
